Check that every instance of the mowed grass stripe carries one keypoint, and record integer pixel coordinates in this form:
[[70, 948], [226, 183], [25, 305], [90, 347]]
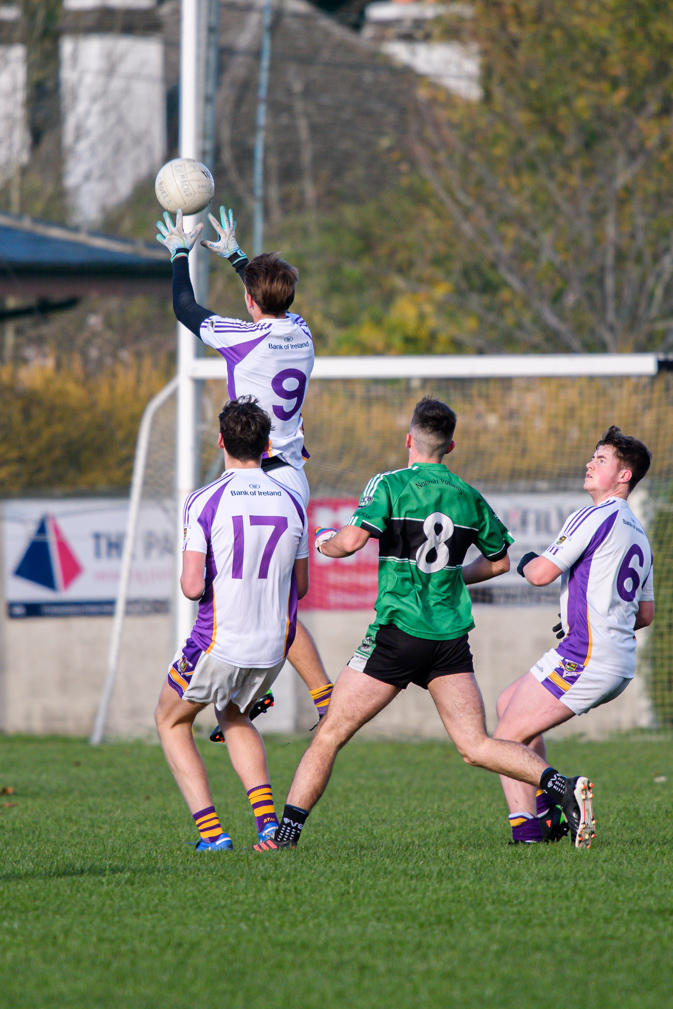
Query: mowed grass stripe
[[403, 891]]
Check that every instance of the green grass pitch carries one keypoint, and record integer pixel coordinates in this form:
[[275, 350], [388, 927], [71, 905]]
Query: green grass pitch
[[403, 892]]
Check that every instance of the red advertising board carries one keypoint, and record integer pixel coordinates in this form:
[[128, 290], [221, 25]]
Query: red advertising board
[[349, 583]]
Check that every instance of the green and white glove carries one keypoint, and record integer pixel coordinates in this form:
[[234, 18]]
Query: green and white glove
[[174, 238], [226, 246]]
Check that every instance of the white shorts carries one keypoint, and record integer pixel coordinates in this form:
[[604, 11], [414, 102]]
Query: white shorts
[[580, 688], [295, 481], [202, 678]]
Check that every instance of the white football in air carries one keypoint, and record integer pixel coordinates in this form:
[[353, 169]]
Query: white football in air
[[184, 184]]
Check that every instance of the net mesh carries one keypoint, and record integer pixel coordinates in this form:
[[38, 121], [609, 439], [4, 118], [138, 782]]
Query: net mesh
[[523, 442]]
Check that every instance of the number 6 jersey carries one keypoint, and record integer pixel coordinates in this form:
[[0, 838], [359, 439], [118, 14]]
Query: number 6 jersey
[[425, 519], [251, 530], [606, 562], [272, 360]]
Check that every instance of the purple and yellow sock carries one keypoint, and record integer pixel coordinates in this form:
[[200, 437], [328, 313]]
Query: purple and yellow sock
[[321, 698], [261, 800], [208, 823], [526, 828], [543, 803]]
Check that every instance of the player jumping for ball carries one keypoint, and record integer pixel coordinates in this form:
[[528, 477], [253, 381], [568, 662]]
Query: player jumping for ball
[[270, 358], [245, 558], [605, 561], [425, 519]]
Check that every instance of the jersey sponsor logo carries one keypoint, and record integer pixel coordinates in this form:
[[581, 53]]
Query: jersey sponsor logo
[[49, 559], [183, 665], [365, 500], [561, 540]]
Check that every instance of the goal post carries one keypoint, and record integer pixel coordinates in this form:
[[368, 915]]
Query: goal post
[[527, 424]]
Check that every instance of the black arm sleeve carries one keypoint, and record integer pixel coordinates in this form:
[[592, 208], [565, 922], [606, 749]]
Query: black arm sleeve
[[239, 261], [185, 307]]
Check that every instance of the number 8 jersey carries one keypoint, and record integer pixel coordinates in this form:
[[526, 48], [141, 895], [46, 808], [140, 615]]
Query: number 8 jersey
[[607, 568], [251, 530], [272, 360], [425, 519]]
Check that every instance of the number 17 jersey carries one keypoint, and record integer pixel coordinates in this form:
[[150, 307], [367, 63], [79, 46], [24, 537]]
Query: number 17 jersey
[[272, 360], [251, 529]]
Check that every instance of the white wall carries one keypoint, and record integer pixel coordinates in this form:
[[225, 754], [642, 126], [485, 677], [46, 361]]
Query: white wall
[[114, 118], [14, 138]]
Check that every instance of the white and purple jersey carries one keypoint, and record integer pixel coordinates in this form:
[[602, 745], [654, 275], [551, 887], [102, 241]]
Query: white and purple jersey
[[606, 562], [272, 360], [251, 530]]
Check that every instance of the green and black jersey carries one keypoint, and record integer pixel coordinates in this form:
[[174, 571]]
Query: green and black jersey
[[425, 519]]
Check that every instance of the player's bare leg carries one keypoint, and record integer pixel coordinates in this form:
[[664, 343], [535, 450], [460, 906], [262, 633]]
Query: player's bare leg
[[357, 698], [305, 658], [526, 710], [245, 745], [175, 718], [461, 708]]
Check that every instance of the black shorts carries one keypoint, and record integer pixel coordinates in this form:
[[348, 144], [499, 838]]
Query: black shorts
[[399, 658]]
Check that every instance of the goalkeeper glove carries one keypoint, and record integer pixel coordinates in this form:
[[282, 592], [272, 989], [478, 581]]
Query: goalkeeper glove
[[226, 246], [322, 536], [557, 629], [174, 238], [526, 559]]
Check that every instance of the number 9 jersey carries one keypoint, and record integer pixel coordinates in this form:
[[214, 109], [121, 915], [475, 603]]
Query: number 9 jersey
[[272, 360], [607, 568]]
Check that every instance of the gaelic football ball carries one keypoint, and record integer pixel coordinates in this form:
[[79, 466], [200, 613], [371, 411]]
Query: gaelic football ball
[[184, 184]]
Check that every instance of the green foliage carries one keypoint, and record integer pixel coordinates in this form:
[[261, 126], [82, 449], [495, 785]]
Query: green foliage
[[403, 891], [62, 429], [560, 181]]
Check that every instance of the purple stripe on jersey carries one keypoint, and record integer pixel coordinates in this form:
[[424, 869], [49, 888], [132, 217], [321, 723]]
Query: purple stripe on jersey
[[237, 566], [202, 490], [300, 510], [580, 518], [204, 628], [291, 613], [234, 355], [575, 645], [209, 510]]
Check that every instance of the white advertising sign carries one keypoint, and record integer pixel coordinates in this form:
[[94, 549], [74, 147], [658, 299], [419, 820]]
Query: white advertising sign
[[63, 557]]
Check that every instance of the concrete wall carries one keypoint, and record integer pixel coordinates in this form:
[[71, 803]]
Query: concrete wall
[[52, 671]]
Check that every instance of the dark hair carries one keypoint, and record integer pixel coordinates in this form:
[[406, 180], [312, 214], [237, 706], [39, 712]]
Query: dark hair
[[245, 428], [271, 283], [433, 424], [630, 452]]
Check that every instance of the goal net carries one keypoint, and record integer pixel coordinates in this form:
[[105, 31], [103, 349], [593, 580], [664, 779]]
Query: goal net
[[523, 441]]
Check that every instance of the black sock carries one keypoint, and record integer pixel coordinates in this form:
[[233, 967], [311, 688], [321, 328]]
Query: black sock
[[553, 783], [291, 824]]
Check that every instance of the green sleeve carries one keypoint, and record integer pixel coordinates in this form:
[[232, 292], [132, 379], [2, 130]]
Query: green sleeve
[[374, 511], [493, 538]]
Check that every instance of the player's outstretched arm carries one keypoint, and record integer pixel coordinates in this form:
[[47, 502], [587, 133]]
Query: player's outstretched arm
[[341, 543], [301, 576], [180, 243], [226, 245], [538, 570], [192, 581], [481, 569], [645, 614]]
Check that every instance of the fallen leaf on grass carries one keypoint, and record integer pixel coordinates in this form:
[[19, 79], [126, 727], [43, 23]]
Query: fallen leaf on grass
[[6, 805], [7, 790]]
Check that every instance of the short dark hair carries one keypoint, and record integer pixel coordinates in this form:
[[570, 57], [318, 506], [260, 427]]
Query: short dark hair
[[433, 424], [245, 428], [631, 453], [271, 282]]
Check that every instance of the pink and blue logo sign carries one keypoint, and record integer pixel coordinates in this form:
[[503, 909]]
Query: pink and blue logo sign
[[49, 560]]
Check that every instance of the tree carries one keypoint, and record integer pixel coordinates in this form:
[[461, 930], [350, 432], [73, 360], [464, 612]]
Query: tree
[[560, 182]]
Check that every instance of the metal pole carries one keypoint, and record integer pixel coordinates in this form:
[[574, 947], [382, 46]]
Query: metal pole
[[258, 162], [186, 412]]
